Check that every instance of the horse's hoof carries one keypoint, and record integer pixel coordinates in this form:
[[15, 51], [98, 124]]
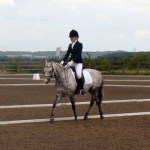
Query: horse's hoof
[[51, 120], [76, 118], [85, 117], [101, 117]]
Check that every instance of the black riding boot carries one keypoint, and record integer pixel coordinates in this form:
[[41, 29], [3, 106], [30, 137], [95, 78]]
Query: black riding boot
[[80, 83]]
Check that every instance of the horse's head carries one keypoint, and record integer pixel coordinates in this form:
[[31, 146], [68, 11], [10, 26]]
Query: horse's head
[[49, 71]]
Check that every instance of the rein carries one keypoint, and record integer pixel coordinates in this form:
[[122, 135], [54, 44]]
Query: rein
[[66, 74]]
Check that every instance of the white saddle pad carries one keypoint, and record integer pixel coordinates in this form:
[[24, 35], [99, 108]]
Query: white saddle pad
[[87, 77]]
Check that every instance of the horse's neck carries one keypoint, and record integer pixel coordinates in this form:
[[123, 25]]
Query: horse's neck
[[59, 73]]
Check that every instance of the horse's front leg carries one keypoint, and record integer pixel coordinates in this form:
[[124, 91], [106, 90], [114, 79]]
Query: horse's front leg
[[58, 96], [73, 107]]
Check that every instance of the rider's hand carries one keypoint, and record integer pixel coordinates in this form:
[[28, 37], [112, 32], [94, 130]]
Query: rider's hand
[[70, 63], [67, 66], [62, 62]]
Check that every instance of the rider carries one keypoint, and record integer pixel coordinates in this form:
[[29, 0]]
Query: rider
[[75, 49]]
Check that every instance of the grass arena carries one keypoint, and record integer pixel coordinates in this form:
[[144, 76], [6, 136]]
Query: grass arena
[[25, 106]]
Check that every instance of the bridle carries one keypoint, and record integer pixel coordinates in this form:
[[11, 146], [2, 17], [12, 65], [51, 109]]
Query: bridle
[[51, 73]]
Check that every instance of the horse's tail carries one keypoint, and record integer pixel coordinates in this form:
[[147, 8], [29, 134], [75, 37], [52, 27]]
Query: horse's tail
[[100, 92]]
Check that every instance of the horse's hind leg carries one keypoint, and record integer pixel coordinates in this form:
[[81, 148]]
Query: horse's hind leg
[[58, 96], [99, 102], [90, 106], [73, 107]]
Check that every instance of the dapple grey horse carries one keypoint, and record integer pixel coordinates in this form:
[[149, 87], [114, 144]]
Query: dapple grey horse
[[66, 86]]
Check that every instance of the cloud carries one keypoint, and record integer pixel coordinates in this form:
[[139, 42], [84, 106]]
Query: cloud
[[9, 2], [45, 24], [75, 10], [142, 33], [121, 36]]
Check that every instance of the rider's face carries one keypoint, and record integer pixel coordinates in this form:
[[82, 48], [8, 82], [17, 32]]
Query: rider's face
[[73, 39]]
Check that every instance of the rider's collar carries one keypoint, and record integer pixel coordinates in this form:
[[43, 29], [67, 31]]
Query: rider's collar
[[73, 43]]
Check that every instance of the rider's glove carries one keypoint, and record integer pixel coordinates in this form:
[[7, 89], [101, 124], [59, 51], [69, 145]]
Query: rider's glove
[[67, 66], [62, 62]]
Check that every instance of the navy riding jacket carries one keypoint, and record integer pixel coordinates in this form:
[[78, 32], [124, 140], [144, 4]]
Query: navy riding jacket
[[76, 53]]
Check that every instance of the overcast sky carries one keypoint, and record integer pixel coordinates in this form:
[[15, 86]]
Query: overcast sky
[[41, 25]]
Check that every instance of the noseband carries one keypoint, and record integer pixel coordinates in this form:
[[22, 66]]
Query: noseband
[[51, 74]]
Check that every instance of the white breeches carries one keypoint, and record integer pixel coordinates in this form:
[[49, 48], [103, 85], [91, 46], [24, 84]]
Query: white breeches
[[78, 68]]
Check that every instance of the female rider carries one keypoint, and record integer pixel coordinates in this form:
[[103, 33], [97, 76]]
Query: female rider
[[75, 49]]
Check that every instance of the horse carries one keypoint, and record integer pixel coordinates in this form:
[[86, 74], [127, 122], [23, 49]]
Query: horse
[[66, 86]]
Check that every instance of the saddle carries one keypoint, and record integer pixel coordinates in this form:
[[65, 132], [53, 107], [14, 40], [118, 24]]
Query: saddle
[[83, 79]]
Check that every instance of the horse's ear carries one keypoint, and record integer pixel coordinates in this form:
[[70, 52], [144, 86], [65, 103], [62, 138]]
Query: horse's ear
[[45, 62]]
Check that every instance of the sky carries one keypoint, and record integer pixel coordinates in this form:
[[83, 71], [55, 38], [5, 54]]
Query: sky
[[103, 25]]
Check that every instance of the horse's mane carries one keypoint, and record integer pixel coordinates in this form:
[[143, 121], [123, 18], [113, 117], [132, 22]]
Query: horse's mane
[[59, 65]]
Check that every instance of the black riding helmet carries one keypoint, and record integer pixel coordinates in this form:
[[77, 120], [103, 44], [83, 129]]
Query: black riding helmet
[[73, 33]]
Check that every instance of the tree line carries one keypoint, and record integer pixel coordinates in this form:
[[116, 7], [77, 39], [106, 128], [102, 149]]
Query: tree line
[[114, 61], [132, 61]]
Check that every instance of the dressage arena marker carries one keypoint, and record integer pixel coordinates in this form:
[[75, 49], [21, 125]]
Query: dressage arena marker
[[77, 103], [72, 118]]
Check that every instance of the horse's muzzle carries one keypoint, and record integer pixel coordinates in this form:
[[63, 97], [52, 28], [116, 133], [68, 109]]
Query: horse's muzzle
[[47, 80]]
